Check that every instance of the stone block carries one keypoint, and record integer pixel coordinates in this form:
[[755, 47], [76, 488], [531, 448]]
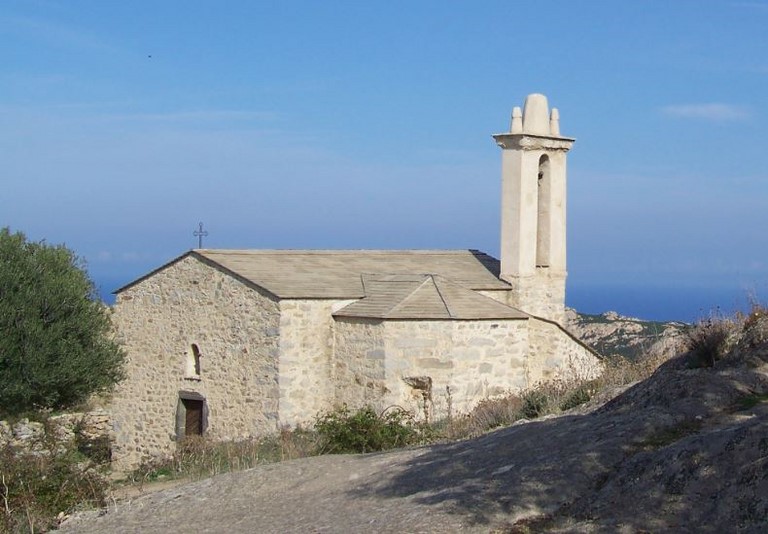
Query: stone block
[[376, 354], [434, 363], [415, 343]]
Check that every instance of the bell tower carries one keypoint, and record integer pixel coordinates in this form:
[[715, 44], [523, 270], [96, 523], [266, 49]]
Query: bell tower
[[533, 195]]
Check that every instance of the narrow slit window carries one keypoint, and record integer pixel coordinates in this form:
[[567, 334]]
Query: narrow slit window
[[193, 362]]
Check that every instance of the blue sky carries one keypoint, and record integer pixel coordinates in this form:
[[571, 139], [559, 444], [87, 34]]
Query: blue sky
[[299, 124]]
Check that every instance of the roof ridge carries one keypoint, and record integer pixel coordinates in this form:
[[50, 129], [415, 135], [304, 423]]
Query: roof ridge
[[408, 296], [440, 294], [312, 251]]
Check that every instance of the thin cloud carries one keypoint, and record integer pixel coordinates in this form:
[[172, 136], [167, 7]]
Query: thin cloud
[[53, 32], [712, 112], [203, 115]]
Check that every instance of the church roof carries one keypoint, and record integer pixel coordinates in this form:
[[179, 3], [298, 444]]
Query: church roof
[[339, 273], [423, 297]]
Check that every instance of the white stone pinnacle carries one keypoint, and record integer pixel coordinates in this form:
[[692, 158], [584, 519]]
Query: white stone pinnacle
[[536, 115], [554, 123], [517, 121]]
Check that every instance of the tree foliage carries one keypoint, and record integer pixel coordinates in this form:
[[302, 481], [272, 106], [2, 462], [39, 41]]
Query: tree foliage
[[56, 347]]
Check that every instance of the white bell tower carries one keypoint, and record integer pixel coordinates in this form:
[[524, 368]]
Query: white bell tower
[[533, 195]]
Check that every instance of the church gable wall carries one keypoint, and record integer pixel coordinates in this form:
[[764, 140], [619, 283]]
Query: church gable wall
[[234, 330]]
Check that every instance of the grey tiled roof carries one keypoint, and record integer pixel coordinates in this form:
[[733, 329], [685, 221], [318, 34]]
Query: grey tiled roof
[[339, 273], [424, 297]]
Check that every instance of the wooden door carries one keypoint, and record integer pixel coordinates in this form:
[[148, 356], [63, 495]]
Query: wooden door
[[193, 424]]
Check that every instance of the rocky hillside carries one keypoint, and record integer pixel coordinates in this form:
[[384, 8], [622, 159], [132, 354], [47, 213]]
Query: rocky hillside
[[683, 451], [611, 334]]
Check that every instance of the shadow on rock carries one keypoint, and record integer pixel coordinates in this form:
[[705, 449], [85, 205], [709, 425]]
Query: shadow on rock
[[645, 459]]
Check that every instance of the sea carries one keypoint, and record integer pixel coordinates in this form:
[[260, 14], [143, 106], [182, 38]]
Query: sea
[[651, 303], [685, 304]]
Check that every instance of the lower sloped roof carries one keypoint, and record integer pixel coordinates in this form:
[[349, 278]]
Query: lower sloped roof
[[424, 297]]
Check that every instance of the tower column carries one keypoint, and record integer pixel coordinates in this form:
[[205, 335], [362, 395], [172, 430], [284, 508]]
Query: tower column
[[533, 209]]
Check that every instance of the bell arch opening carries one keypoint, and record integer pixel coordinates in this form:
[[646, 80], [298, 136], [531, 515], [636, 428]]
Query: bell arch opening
[[543, 215]]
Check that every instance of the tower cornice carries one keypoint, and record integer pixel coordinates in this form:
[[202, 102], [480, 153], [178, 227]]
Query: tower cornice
[[533, 142]]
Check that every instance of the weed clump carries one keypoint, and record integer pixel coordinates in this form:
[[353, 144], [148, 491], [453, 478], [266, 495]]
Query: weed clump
[[198, 457]]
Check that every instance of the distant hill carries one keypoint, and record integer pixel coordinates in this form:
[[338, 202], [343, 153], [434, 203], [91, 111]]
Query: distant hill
[[613, 334]]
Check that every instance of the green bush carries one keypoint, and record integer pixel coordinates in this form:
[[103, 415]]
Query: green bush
[[55, 336], [580, 394], [343, 431], [536, 403]]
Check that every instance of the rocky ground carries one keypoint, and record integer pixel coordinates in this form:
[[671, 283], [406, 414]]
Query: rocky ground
[[684, 451]]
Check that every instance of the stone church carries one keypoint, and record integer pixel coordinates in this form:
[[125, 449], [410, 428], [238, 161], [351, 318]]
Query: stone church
[[238, 343]]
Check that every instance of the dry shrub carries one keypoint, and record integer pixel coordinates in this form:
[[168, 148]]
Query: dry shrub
[[728, 338], [552, 397], [199, 457], [619, 371], [487, 415], [546, 398], [38, 488], [754, 328], [709, 340]]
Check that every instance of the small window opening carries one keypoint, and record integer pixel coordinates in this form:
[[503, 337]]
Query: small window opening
[[193, 362]]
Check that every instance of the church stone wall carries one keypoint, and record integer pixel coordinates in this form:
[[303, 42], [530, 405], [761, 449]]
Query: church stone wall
[[466, 361], [385, 363], [389, 363], [359, 371], [235, 328], [306, 347], [555, 354]]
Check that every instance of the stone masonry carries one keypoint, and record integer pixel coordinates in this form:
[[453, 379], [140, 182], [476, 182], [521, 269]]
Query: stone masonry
[[237, 331]]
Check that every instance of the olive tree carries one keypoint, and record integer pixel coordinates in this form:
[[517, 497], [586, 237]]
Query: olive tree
[[56, 347]]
